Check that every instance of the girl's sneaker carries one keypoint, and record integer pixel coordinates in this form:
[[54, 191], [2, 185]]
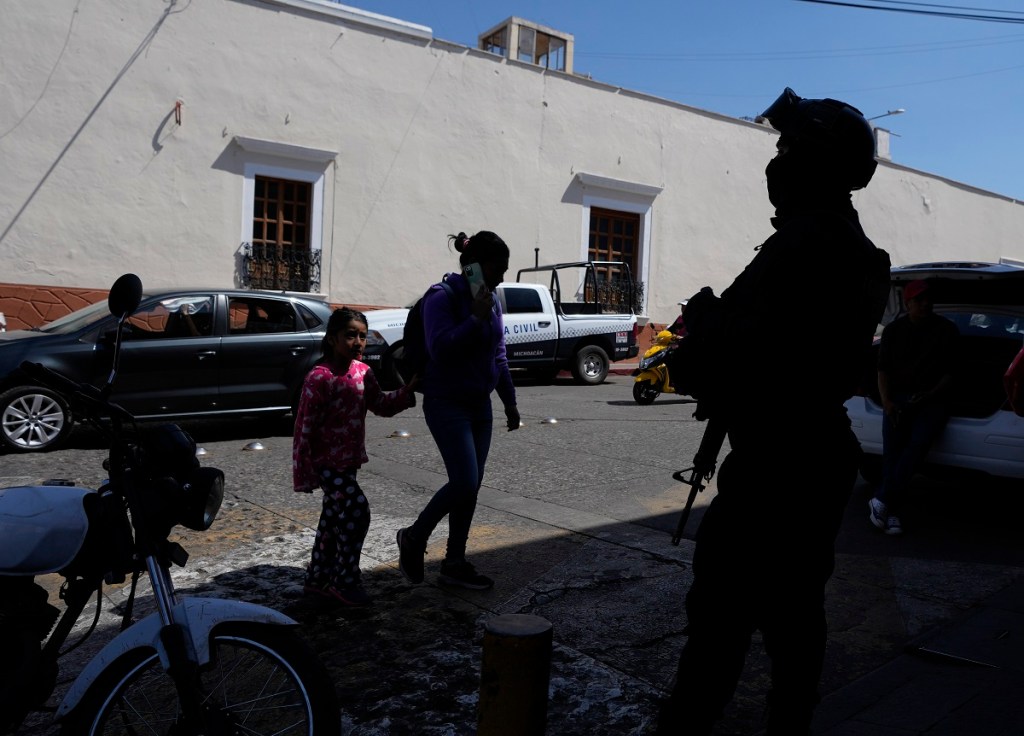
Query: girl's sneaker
[[893, 525], [464, 575], [354, 596]]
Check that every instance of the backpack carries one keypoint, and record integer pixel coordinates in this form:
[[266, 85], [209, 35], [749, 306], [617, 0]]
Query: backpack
[[414, 357]]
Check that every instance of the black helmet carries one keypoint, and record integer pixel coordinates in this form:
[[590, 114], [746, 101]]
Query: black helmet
[[831, 128]]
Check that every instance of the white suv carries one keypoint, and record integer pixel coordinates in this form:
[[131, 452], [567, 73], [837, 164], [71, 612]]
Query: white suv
[[986, 302]]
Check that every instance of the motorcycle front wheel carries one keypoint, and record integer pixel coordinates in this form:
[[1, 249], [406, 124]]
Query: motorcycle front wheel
[[260, 680], [645, 392]]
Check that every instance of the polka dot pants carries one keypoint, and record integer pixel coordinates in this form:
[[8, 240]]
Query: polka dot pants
[[344, 521]]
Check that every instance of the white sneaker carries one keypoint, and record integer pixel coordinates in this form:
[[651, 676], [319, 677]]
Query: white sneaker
[[877, 514], [893, 526]]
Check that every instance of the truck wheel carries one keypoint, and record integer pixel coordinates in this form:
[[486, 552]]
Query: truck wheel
[[33, 419], [590, 365], [645, 392]]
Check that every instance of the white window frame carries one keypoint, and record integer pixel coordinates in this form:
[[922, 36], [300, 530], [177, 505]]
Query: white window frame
[[285, 161], [624, 196]]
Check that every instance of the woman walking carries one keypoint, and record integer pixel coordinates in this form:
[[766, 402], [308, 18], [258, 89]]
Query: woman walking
[[465, 342]]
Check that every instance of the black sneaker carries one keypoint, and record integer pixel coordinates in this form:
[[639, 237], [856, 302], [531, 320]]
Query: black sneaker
[[410, 556], [464, 575]]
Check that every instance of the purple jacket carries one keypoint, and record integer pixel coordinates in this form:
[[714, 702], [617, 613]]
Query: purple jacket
[[467, 355]]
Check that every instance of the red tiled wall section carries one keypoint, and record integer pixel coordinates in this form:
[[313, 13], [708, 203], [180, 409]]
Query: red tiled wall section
[[31, 306], [27, 306]]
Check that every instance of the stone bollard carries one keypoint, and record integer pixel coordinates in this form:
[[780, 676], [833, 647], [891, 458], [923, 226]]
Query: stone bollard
[[514, 676]]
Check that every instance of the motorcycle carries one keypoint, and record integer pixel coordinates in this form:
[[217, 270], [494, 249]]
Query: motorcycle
[[194, 666], [652, 377]]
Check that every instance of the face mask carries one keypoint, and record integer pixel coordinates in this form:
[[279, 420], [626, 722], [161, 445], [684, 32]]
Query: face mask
[[782, 179]]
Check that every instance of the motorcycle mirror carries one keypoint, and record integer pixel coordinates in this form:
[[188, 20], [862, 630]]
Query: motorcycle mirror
[[125, 295]]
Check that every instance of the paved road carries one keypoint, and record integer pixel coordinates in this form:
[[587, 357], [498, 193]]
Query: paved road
[[574, 522]]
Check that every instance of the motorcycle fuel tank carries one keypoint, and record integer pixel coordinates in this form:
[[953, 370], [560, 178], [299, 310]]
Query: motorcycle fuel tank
[[41, 528]]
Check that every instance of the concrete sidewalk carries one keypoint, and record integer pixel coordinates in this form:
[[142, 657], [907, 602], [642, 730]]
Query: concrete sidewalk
[[963, 678]]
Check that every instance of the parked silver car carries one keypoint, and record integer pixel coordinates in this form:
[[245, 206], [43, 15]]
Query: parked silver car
[[986, 302], [186, 353]]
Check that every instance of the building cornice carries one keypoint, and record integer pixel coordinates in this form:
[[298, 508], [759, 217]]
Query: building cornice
[[285, 150], [595, 181]]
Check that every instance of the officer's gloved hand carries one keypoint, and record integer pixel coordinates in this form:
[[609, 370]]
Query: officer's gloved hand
[[701, 311]]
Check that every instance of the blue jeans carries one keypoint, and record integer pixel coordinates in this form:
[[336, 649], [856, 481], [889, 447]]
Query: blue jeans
[[462, 432], [905, 444]]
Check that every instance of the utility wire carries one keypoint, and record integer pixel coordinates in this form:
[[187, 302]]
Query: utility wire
[[913, 48], [947, 7], [781, 55], [934, 13]]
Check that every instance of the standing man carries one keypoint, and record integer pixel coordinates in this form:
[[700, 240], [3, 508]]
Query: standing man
[[765, 547], [916, 361]]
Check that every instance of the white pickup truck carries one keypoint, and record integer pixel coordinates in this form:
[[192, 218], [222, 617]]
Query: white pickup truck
[[569, 316]]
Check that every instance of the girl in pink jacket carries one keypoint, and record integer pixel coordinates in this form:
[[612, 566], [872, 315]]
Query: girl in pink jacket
[[329, 447]]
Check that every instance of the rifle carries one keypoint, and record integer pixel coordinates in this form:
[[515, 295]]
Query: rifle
[[703, 469]]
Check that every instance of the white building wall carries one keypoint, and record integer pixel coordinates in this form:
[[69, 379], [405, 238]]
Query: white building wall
[[409, 138]]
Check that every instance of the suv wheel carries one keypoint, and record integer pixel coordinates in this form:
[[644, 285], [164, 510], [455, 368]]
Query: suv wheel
[[33, 419]]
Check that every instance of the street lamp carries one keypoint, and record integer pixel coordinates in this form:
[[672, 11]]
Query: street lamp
[[897, 111]]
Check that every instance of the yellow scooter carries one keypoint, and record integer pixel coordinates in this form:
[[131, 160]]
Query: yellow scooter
[[652, 378]]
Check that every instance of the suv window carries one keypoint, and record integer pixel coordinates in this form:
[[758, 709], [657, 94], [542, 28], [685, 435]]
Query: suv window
[[989, 323]]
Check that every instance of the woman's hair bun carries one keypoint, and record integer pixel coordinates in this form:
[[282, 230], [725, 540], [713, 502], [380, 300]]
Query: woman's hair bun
[[461, 241]]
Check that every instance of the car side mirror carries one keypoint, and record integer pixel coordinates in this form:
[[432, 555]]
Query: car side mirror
[[125, 295]]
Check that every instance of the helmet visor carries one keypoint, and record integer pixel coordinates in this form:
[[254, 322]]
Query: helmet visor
[[783, 111]]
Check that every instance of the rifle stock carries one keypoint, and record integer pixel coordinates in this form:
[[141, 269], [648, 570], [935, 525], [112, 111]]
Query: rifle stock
[[703, 469]]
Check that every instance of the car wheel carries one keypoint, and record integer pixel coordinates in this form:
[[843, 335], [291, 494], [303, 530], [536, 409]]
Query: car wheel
[[871, 468], [33, 419], [644, 392], [590, 365]]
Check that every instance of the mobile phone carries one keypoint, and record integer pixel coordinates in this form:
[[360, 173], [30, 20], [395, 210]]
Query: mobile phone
[[475, 276]]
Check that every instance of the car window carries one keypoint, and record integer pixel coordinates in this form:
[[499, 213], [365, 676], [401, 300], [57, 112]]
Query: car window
[[254, 316], [77, 319], [184, 316], [519, 301], [311, 320]]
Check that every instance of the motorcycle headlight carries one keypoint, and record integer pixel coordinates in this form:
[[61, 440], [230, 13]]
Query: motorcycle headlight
[[653, 360], [375, 339], [201, 495]]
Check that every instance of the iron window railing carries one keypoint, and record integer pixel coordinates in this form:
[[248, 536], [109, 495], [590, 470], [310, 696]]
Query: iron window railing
[[280, 268]]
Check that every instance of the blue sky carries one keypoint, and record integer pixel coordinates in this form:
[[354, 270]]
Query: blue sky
[[961, 82]]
